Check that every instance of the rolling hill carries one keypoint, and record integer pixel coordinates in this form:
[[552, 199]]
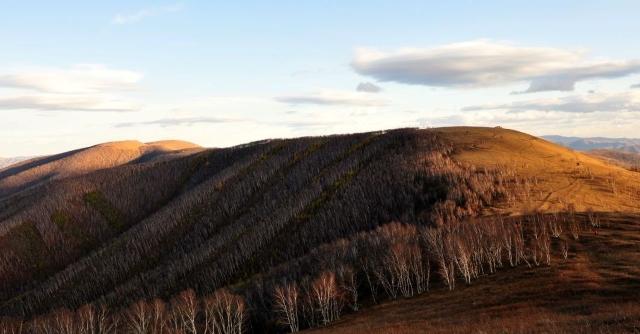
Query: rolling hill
[[629, 145], [36, 171], [345, 222], [625, 159]]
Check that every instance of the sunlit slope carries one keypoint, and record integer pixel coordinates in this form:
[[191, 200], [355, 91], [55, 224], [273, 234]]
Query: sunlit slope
[[82, 161], [563, 177]]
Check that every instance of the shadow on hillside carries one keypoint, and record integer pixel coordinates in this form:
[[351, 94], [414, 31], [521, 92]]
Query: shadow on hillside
[[36, 162]]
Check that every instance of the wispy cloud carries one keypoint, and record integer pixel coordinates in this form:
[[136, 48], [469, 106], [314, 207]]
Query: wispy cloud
[[86, 87], [82, 78], [635, 86], [485, 63], [439, 121], [200, 120], [332, 98], [368, 87], [587, 103], [181, 121], [49, 102], [127, 18]]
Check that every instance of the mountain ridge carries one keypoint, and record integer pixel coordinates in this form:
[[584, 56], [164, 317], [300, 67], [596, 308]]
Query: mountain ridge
[[248, 217], [592, 143]]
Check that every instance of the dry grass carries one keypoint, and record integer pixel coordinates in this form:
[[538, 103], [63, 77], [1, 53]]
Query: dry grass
[[564, 177]]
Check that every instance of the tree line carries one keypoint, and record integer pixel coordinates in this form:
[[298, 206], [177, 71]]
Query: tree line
[[395, 260]]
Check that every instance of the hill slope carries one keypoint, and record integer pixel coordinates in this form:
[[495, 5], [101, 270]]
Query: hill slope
[[39, 170], [621, 158], [249, 217], [563, 177], [594, 290]]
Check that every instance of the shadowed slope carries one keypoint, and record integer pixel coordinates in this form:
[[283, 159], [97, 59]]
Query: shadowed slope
[[595, 290], [6, 162]]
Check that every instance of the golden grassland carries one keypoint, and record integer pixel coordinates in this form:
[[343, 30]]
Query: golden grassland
[[563, 177]]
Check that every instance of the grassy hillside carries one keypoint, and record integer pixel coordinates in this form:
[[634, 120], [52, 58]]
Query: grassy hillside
[[627, 160], [562, 177], [320, 212]]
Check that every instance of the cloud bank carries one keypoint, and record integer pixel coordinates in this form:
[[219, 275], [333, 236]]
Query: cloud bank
[[65, 102], [185, 121], [486, 63], [85, 87], [589, 103], [83, 78]]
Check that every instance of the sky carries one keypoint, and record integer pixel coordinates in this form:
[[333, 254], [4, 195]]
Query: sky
[[222, 73]]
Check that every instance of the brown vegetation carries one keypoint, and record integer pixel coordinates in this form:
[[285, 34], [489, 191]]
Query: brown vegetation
[[293, 234]]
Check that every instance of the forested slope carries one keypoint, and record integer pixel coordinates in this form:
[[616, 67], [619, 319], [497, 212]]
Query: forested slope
[[251, 217]]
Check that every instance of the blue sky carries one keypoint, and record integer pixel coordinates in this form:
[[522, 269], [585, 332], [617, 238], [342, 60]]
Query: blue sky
[[76, 73]]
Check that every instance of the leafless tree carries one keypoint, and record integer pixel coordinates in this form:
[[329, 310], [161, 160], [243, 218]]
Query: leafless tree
[[224, 313], [439, 246], [159, 316], [326, 297], [86, 320], [286, 303], [63, 321], [106, 323], [12, 326], [186, 306], [139, 317]]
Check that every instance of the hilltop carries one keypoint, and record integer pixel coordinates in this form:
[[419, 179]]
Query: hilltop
[[120, 223]]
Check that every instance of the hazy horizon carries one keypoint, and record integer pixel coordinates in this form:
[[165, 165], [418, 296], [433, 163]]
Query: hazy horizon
[[220, 74]]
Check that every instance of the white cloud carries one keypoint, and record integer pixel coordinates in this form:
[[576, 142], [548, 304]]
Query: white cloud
[[77, 88], [139, 15], [333, 98], [53, 102], [83, 78], [588, 103], [635, 86], [485, 63], [434, 122], [180, 121]]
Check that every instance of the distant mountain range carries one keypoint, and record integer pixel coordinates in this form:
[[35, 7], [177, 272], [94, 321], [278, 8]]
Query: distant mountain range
[[631, 145], [5, 162]]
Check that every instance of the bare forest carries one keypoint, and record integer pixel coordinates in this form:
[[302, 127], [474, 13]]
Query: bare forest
[[273, 236]]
